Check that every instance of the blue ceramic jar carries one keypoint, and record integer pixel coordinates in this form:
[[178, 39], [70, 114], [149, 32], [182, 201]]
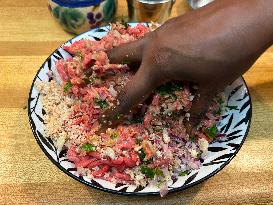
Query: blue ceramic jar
[[77, 16]]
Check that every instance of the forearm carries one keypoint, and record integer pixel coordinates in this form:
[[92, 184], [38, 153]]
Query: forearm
[[249, 23]]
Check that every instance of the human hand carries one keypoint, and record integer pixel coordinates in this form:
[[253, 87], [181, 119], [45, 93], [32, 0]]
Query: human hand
[[211, 46]]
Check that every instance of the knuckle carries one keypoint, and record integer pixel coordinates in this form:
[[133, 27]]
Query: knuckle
[[160, 56], [159, 52]]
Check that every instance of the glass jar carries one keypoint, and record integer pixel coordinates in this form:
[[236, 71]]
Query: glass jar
[[149, 10]]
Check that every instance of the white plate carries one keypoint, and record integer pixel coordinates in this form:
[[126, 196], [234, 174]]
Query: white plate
[[235, 124]]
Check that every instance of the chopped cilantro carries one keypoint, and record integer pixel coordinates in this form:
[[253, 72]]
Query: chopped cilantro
[[113, 135], [150, 172], [102, 103], [211, 132], [67, 87], [89, 147], [173, 96], [141, 154], [193, 138], [149, 161], [86, 80], [184, 173], [232, 107], [124, 23], [220, 101], [158, 172], [118, 116], [96, 78], [218, 112], [138, 142], [169, 89]]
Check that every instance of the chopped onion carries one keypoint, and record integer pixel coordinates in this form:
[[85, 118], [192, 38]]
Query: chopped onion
[[211, 116], [163, 190], [220, 136], [60, 142], [112, 91]]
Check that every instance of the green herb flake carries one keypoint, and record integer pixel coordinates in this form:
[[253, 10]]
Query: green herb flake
[[193, 138], [141, 154], [211, 132], [218, 112], [102, 103], [86, 81], [68, 86], [149, 161], [158, 172], [173, 96], [138, 141], [113, 135], [118, 116], [220, 101], [124, 23], [89, 147], [95, 78], [184, 173], [150, 172], [169, 89]]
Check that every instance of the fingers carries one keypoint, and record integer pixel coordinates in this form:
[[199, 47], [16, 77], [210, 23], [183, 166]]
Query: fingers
[[199, 108], [129, 52], [135, 92]]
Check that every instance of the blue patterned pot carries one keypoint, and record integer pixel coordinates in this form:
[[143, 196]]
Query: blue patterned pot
[[77, 16]]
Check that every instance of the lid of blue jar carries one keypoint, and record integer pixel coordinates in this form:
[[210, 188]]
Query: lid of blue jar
[[77, 3]]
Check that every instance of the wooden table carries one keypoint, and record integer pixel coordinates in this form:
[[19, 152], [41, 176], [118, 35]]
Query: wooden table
[[28, 35]]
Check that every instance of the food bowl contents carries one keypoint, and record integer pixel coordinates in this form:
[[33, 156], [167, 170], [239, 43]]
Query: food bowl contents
[[77, 16], [151, 145]]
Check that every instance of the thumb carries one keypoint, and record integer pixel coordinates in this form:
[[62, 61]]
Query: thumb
[[199, 108], [134, 92]]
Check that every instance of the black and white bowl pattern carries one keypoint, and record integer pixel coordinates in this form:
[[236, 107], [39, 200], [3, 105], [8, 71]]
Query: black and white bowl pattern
[[235, 124]]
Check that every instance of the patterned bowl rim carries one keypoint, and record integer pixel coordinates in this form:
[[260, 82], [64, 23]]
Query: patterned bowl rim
[[116, 191]]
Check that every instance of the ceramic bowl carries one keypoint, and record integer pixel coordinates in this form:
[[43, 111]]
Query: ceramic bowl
[[77, 16], [234, 126]]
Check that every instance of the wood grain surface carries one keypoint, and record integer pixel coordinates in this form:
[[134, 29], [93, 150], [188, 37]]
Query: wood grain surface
[[28, 34]]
